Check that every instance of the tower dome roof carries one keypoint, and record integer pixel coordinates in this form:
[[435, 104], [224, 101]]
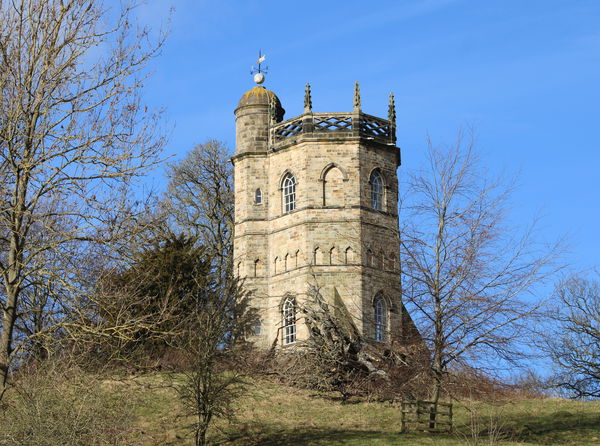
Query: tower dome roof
[[258, 96]]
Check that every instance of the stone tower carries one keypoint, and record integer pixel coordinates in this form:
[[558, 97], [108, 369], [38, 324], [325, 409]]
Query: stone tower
[[316, 205]]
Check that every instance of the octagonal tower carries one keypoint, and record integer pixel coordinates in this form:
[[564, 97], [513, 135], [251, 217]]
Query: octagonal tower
[[316, 207]]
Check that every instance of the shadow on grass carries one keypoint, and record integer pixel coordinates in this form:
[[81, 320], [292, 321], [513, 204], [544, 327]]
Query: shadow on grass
[[336, 399], [561, 427], [270, 436], [556, 428]]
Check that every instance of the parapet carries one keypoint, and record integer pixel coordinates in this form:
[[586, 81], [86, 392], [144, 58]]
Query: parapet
[[334, 126]]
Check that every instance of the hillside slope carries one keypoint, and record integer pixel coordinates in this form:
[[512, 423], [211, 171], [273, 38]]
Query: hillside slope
[[272, 414]]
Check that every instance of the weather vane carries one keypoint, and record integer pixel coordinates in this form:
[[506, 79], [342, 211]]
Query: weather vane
[[259, 73]]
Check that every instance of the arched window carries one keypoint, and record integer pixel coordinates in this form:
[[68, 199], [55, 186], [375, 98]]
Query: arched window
[[333, 186], [296, 257], [258, 196], [289, 321], [289, 193], [332, 256], [256, 267], [380, 261], [285, 262], [257, 328], [370, 258], [380, 318], [275, 265], [316, 256], [393, 266], [349, 256], [376, 190]]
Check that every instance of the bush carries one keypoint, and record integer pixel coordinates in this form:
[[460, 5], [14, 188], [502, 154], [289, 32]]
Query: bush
[[51, 405]]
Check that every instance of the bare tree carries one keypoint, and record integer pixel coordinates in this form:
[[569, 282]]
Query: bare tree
[[200, 199], [74, 133], [574, 344], [466, 273], [218, 325]]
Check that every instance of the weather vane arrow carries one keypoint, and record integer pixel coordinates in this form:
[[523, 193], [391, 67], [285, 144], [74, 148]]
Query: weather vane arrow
[[260, 71]]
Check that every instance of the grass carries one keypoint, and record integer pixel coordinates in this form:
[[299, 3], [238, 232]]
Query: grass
[[272, 414]]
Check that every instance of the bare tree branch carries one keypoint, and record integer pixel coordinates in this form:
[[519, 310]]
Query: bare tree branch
[[74, 135], [574, 344], [465, 272]]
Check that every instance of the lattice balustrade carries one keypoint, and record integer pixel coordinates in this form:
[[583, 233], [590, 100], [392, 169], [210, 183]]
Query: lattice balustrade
[[358, 124], [332, 123], [374, 126], [288, 128]]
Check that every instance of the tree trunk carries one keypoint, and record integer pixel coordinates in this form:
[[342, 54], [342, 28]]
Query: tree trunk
[[12, 278], [8, 324], [13, 272], [435, 394], [201, 429], [439, 314]]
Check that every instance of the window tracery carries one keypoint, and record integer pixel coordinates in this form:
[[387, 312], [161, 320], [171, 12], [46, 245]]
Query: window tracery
[[289, 321], [258, 196], [289, 193], [376, 190], [380, 308]]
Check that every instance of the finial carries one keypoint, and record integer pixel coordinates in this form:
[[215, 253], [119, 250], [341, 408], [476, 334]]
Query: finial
[[259, 73], [307, 99], [356, 97], [392, 109]]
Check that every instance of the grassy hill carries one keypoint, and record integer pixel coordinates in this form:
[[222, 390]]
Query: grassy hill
[[273, 414]]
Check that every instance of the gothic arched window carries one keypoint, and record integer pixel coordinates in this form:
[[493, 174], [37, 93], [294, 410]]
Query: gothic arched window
[[333, 187], [380, 318], [376, 190], [316, 256], [392, 264], [289, 321], [258, 196], [349, 256], [256, 267], [289, 193]]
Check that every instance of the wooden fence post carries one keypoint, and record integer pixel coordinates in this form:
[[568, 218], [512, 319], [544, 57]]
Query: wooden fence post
[[403, 417], [426, 415]]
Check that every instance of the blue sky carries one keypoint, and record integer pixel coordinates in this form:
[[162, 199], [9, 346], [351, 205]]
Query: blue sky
[[525, 75]]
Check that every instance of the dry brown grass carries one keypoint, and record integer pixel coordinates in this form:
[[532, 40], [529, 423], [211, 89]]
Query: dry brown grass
[[271, 413], [274, 414]]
